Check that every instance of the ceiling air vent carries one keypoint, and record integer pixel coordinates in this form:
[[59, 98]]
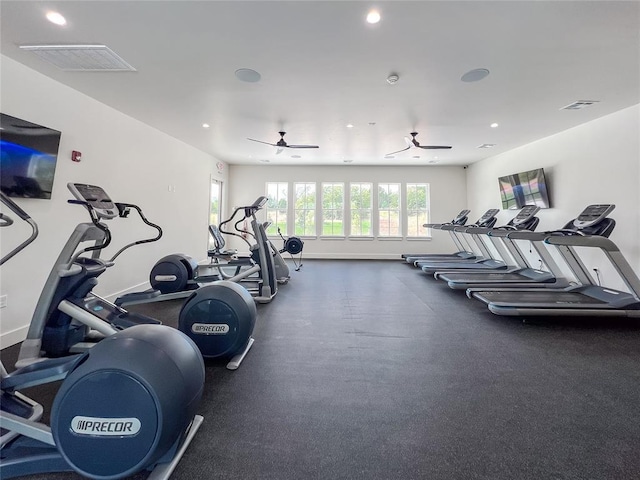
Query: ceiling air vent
[[81, 58], [579, 104]]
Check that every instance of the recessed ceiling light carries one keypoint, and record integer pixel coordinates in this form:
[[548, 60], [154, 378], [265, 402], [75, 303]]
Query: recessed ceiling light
[[416, 156], [205, 125], [433, 161], [371, 124], [347, 161], [494, 125], [487, 145], [389, 156], [373, 16], [296, 156], [475, 75], [264, 161], [248, 75], [349, 125], [55, 17]]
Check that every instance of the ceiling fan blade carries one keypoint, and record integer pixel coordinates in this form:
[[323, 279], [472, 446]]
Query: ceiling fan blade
[[434, 147], [260, 141], [393, 153], [302, 146]]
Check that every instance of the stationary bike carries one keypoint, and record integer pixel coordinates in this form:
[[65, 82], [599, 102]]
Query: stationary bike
[[126, 405]]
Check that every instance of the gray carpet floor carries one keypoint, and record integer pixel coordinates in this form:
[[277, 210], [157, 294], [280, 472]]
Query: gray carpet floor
[[374, 370]]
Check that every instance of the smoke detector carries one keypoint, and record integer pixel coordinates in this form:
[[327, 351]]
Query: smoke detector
[[393, 78]]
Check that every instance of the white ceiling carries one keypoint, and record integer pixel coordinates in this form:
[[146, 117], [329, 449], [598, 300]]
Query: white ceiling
[[323, 67]]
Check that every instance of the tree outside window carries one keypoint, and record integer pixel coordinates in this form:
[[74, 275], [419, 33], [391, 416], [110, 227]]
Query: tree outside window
[[276, 208], [417, 209], [333, 209], [360, 194], [304, 211], [389, 210]]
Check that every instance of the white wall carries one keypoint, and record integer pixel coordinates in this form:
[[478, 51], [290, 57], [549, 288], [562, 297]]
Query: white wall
[[133, 162], [448, 197], [597, 162]]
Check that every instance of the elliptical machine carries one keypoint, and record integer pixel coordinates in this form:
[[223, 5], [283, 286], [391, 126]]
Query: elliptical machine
[[71, 318], [125, 406]]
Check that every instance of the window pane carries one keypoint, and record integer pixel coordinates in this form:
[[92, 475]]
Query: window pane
[[332, 209], [389, 210], [276, 208], [305, 208], [417, 209]]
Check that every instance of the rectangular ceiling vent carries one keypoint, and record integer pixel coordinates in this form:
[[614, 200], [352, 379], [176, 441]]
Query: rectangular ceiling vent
[[580, 104], [81, 58]]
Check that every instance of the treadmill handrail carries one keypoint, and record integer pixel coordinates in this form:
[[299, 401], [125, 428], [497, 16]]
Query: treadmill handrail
[[583, 241]]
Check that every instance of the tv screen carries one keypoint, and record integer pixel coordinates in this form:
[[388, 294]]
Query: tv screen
[[28, 155], [525, 188]]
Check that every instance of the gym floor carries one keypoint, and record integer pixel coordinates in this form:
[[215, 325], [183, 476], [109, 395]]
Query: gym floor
[[374, 370]]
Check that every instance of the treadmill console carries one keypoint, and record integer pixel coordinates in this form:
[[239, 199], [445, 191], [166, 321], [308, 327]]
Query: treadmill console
[[592, 215], [461, 218], [524, 214], [488, 216], [96, 198]]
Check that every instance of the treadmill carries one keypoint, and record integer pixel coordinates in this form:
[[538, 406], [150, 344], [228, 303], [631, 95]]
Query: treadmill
[[509, 257], [488, 219], [585, 299], [460, 219], [585, 224]]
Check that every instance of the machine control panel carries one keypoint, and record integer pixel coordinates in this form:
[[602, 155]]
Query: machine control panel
[[461, 218], [525, 214], [488, 215], [592, 215], [96, 198]]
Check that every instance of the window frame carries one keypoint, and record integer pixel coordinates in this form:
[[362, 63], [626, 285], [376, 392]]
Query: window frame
[[426, 210], [398, 210], [340, 210]]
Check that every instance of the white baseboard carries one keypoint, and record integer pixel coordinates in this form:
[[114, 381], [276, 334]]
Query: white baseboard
[[14, 336], [350, 256]]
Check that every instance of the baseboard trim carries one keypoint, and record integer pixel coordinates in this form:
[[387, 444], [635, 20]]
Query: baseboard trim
[[14, 336], [350, 256]]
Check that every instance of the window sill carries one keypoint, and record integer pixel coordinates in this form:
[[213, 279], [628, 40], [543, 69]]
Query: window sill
[[390, 239], [419, 239], [360, 238]]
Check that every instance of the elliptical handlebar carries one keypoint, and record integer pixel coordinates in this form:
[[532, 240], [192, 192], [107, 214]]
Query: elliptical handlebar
[[123, 212], [100, 206], [6, 221], [249, 211]]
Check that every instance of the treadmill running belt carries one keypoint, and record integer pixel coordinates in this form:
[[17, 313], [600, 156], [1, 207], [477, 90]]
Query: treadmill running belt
[[544, 299]]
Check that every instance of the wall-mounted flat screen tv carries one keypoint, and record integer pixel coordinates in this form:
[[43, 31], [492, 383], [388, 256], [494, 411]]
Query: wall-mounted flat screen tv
[[525, 188], [28, 155]]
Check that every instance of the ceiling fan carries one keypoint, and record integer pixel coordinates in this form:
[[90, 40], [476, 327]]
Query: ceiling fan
[[413, 143], [281, 144]]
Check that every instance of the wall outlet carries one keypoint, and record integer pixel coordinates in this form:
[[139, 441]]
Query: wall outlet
[[3, 301]]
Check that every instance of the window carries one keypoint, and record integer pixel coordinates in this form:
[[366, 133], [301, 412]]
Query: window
[[215, 205], [417, 209], [276, 209], [389, 210], [360, 209], [332, 209], [304, 210]]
